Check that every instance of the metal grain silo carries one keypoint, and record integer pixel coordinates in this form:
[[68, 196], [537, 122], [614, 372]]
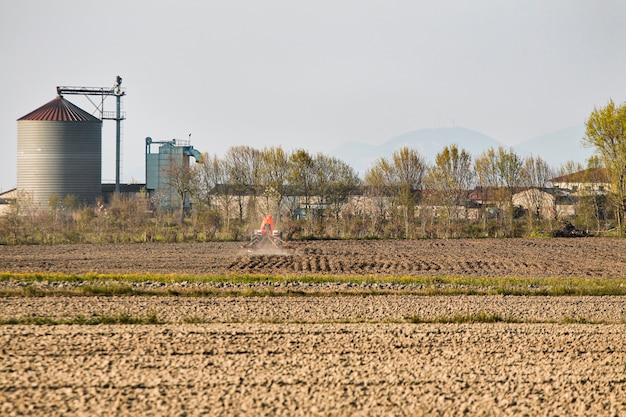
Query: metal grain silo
[[59, 152]]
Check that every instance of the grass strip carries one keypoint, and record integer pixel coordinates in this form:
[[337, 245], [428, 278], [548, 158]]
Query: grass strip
[[152, 318], [480, 317], [80, 320], [91, 284]]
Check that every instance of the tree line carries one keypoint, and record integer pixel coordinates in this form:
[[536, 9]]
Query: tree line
[[316, 196]]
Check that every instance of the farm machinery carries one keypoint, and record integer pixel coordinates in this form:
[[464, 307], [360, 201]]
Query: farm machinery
[[267, 237]]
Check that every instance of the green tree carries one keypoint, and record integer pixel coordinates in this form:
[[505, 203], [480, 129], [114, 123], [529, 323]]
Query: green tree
[[593, 201], [606, 132]]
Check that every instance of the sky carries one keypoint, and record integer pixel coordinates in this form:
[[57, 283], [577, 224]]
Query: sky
[[311, 74]]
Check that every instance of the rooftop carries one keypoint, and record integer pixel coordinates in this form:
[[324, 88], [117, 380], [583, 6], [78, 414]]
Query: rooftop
[[584, 176], [60, 110]]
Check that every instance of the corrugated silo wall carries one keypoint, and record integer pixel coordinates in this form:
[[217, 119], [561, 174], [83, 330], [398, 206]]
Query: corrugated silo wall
[[59, 158]]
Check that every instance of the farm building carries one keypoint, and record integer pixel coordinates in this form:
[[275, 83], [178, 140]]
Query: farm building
[[591, 180], [6, 198], [546, 203], [167, 171]]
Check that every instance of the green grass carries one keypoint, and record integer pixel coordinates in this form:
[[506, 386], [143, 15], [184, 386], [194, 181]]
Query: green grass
[[480, 317], [489, 317], [152, 318], [122, 285], [124, 318]]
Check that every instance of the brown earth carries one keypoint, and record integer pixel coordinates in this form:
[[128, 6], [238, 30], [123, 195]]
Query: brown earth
[[319, 356], [314, 370], [594, 257]]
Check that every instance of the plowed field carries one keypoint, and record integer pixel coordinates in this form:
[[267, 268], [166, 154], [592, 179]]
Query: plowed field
[[594, 257], [349, 355]]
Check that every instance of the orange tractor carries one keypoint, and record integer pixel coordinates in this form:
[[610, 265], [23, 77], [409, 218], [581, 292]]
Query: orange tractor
[[267, 236]]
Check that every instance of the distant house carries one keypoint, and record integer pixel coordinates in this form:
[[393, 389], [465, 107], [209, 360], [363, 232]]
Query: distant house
[[492, 196], [591, 180], [108, 190], [545, 203], [126, 190], [6, 198], [238, 200], [548, 203], [484, 196]]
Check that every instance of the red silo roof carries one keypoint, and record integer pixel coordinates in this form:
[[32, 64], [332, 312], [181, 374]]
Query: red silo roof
[[60, 110]]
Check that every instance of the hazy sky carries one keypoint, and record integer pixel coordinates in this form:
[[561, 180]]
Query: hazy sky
[[311, 74]]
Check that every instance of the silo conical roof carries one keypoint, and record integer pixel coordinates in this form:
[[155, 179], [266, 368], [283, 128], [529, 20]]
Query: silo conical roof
[[60, 110]]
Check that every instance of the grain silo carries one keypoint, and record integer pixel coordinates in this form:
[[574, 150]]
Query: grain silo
[[167, 168], [59, 153]]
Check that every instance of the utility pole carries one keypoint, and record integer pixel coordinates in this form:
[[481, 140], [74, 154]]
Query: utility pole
[[118, 135]]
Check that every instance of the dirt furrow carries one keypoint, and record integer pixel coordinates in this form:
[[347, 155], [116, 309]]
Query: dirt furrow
[[596, 257]]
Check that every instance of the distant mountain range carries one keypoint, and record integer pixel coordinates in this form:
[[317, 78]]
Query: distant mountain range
[[556, 148]]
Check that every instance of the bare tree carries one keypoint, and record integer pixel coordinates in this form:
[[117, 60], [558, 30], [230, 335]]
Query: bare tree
[[335, 182], [209, 176], [401, 180], [184, 181], [301, 177], [536, 173], [243, 166], [569, 167], [275, 171], [499, 172], [377, 189], [450, 178]]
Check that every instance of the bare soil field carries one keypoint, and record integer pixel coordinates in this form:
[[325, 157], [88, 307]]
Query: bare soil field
[[319, 356], [596, 257], [314, 370]]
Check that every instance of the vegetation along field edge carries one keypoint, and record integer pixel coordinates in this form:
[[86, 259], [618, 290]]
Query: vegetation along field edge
[[56, 284]]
